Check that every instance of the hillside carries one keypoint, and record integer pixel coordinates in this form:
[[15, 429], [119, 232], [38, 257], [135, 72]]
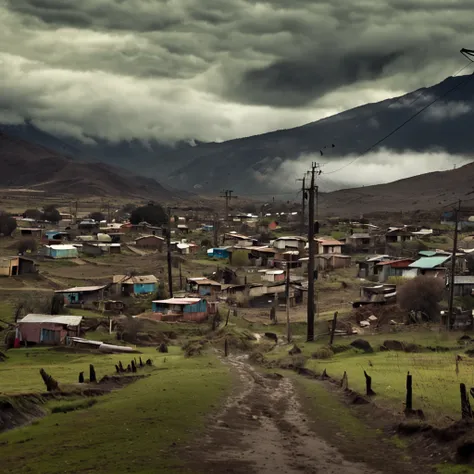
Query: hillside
[[243, 164], [430, 191], [24, 164]]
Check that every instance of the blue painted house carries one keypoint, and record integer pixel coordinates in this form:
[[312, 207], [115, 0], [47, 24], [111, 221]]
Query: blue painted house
[[56, 235], [82, 294], [181, 309], [221, 252], [61, 251], [135, 285]]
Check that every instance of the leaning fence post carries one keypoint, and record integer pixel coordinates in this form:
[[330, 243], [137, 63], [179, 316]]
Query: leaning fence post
[[344, 381], [466, 411], [368, 385], [333, 328], [409, 397]]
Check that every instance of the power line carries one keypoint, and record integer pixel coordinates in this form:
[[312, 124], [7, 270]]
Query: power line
[[370, 148]]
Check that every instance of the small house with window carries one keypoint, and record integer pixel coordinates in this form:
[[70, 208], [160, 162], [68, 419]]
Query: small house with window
[[14, 266], [60, 251], [431, 266], [135, 285], [181, 309], [80, 295], [328, 246], [205, 288], [47, 329]]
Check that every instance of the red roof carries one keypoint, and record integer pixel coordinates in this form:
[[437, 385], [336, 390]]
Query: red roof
[[329, 241]]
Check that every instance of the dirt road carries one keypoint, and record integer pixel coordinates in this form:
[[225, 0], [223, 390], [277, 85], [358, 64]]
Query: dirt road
[[263, 429]]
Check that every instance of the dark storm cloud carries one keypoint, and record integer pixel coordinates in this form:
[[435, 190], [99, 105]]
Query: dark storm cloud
[[218, 69], [294, 82]]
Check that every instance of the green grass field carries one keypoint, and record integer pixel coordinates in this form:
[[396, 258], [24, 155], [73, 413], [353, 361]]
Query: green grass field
[[20, 372], [435, 382], [131, 430]]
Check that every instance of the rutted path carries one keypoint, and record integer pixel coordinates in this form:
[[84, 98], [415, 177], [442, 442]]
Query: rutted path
[[263, 429]]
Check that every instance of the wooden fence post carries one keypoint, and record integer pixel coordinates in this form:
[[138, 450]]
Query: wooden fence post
[[409, 397], [226, 347], [81, 377], [51, 384], [466, 411], [333, 329], [344, 381], [368, 385], [92, 376]]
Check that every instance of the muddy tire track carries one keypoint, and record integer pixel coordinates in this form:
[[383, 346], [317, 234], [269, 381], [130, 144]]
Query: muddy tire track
[[263, 429]]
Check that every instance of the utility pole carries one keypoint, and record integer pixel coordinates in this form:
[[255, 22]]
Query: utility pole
[[168, 248], [453, 266], [215, 230], [180, 276], [303, 207], [311, 306], [227, 195], [287, 292]]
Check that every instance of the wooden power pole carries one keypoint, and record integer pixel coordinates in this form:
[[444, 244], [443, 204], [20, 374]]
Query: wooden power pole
[[215, 230], [311, 206], [168, 248], [303, 202], [453, 266], [287, 292], [227, 195]]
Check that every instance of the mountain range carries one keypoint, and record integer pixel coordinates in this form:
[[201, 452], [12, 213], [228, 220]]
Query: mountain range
[[240, 164], [28, 165]]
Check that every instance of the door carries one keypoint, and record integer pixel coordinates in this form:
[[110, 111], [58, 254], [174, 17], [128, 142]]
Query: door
[[48, 336], [14, 270]]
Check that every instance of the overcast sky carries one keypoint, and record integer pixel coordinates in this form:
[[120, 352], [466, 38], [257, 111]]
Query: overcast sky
[[217, 69]]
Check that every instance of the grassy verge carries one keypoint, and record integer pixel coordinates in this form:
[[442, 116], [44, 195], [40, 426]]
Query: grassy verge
[[20, 372], [435, 379], [435, 382], [137, 429]]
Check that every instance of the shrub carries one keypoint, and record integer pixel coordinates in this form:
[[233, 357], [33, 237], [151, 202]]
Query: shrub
[[322, 353], [35, 214], [97, 216], [51, 214], [7, 224], [240, 258], [422, 294], [26, 245], [152, 213]]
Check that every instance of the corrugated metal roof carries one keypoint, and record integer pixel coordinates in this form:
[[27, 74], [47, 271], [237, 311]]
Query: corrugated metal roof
[[81, 289], [399, 261], [377, 258], [328, 241], [292, 237], [429, 262], [237, 236], [360, 236], [134, 279], [148, 236], [204, 281], [179, 301], [464, 280], [61, 247], [47, 318]]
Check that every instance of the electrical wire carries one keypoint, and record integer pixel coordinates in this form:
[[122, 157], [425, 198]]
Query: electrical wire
[[371, 147]]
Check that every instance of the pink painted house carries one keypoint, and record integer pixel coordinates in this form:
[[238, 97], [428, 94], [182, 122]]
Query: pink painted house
[[47, 329]]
